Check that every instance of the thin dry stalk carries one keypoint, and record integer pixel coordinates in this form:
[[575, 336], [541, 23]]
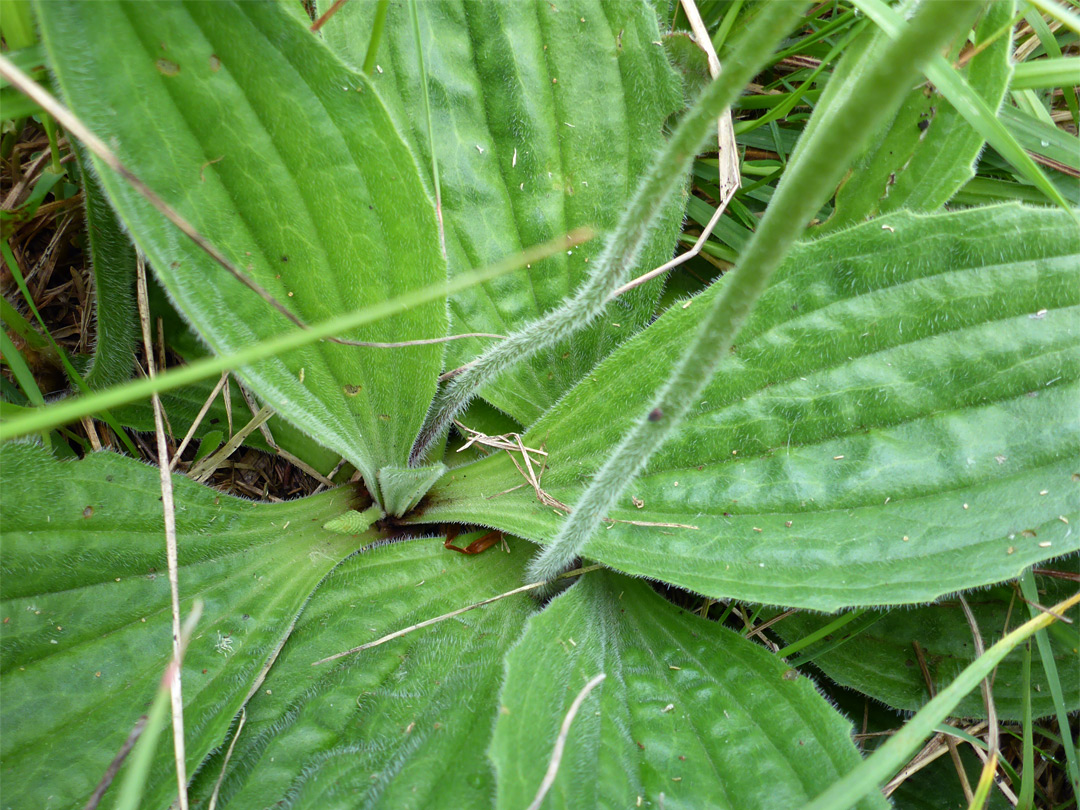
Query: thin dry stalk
[[560, 741], [225, 764], [728, 168], [954, 752], [992, 742], [176, 691], [198, 420], [729, 177], [206, 467], [114, 766]]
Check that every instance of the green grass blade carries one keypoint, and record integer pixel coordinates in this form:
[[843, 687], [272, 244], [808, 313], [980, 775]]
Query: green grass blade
[[376, 37], [1026, 794], [807, 183], [75, 408], [1040, 74], [1069, 18], [1046, 656], [894, 753], [971, 106], [72, 372], [20, 370]]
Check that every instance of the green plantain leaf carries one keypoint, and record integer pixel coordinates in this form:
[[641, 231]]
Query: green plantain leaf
[[526, 151], [402, 725], [928, 151], [113, 261], [287, 161], [897, 422], [881, 661], [685, 708], [86, 622]]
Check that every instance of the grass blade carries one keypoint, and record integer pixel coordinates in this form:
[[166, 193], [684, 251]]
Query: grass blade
[[75, 408], [892, 755], [971, 106], [1046, 655]]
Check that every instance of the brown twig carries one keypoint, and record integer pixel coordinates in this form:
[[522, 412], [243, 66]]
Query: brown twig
[[114, 766], [954, 752]]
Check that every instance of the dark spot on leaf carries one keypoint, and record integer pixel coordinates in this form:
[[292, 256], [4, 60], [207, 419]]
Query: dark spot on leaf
[[909, 663], [655, 415], [109, 478], [167, 67], [352, 390], [641, 746], [88, 511], [245, 617], [284, 258], [215, 63], [923, 126], [215, 420]]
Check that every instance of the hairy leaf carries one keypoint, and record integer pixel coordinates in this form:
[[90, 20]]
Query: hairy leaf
[[113, 261], [685, 707], [545, 116], [404, 724], [86, 630], [896, 422], [287, 161]]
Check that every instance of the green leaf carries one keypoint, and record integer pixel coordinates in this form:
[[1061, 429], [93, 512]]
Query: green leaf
[[403, 487], [685, 706], [1052, 144], [404, 724], [86, 620], [210, 442], [889, 376], [287, 161], [526, 151], [112, 258], [927, 152], [881, 662]]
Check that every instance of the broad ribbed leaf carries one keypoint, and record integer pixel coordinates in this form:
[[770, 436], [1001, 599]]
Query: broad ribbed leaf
[[896, 422], [881, 662], [928, 151], [402, 725], [545, 115], [86, 631], [287, 161], [689, 715]]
